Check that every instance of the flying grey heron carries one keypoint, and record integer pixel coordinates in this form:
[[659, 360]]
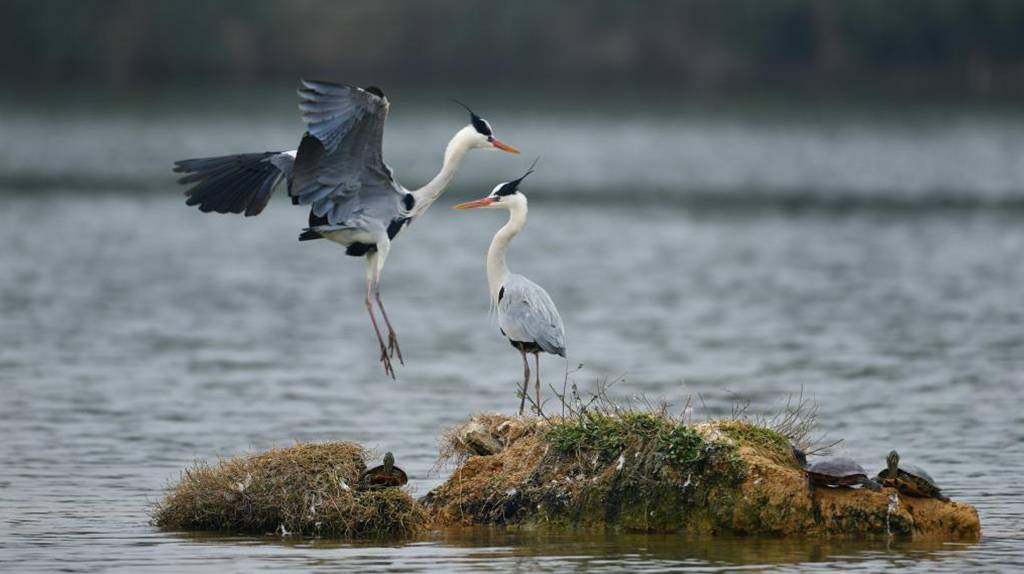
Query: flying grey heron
[[526, 314], [338, 171]]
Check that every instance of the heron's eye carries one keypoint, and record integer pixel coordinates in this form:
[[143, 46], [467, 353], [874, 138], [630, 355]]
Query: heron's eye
[[490, 139]]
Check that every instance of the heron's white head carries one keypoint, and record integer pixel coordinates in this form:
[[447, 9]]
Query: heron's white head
[[504, 196], [479, 134]]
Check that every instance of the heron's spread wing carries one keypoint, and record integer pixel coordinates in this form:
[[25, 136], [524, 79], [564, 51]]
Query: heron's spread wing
[[339, 170], [234, 183], [526, 314]]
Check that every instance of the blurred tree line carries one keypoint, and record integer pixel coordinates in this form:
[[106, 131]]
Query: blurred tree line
[[952, 47]]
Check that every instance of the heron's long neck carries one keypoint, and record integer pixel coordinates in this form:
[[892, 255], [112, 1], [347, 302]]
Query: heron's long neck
[[497, 267], [453, 154]]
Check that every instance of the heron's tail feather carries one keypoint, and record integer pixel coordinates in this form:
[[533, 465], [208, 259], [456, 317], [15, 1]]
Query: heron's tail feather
[[309, 235], [241, 183]]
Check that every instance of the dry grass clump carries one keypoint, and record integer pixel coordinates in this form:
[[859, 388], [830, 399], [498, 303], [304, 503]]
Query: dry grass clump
[[306, 489], [453, 447], [796, 421]]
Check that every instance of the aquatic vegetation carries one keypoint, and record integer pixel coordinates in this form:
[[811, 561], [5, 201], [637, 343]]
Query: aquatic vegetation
[[305, 489]]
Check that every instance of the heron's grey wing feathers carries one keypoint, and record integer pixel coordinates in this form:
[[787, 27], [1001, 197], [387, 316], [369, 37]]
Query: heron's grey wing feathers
[[234, 183], [526, 313], [339, 168]]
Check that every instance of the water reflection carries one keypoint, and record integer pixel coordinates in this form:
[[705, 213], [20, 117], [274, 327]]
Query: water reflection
[[492, 546]]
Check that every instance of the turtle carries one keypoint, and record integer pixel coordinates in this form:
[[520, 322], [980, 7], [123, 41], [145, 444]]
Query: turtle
[[909, 479], [386, 475], [835, 471]]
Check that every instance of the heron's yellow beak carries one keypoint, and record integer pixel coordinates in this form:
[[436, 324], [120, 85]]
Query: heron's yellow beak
[[503, 146], [475, 203]]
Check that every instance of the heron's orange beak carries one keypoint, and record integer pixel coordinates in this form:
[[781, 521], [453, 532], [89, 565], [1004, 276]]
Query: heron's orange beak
[[503, 146], [475, 203]]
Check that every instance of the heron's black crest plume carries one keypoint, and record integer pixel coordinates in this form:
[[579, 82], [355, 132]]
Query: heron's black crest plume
[[479, 124], [463, 105], [513, 186], [528, 171]]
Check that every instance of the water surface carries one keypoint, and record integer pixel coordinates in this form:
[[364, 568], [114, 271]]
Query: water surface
[[137, 334]]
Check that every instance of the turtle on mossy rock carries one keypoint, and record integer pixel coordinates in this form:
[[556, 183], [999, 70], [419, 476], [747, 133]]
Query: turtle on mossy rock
[[386, 475], [909, 479], [835, 472]]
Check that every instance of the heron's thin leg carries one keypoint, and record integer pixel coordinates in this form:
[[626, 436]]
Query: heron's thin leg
[[383, 248], [371, 264], [526, 382], [393, 347], [536, 379]]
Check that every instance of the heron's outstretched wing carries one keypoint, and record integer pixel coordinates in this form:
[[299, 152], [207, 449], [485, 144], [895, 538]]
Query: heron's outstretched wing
[[339, 170], [234, 183], [526, 314]]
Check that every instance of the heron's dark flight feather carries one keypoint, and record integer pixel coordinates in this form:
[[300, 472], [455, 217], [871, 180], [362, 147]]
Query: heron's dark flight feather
[[241, 183], [339, 171]]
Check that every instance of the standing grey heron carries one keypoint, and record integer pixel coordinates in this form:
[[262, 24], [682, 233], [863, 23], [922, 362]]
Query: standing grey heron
[[526, 314], [339, 172]]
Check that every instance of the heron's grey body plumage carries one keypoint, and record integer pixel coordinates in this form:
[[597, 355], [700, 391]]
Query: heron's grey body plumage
[[526, 314], [339, 169]]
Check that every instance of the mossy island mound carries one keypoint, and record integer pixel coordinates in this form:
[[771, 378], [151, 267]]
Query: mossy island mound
[[606, 469], [306, 489], [645, 471]]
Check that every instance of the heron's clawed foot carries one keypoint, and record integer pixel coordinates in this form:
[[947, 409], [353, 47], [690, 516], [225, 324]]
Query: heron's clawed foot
[[385, 359], [393, 348]]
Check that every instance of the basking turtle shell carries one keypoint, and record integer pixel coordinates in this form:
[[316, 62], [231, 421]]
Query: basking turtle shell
[[839, 471], [909, 479], [386, 475]]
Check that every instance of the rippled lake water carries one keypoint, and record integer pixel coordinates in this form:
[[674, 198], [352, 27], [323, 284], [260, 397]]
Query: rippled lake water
[[873, 262]]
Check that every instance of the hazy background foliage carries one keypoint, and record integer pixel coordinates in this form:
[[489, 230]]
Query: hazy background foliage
[[954, 48]]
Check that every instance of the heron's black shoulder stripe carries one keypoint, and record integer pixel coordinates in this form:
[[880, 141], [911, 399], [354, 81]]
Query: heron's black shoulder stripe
[[408, 201], [316, 220], [501, 293], [395, 226]]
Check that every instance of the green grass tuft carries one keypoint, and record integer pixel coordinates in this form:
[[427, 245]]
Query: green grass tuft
[[749, 434], [609, 435]]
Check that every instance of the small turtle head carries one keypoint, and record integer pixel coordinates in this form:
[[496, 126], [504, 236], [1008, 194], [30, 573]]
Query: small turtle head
[[389, 461], [893, 463], [800, 457]]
